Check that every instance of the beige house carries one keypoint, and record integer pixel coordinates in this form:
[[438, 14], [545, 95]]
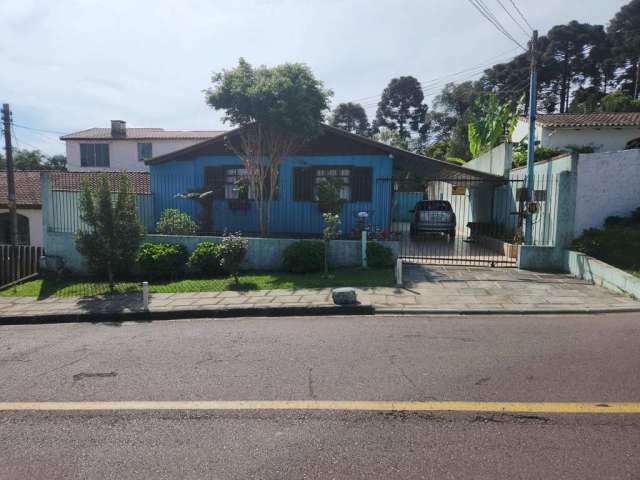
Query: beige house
[[29, 208], [605, 132], [121, 148]]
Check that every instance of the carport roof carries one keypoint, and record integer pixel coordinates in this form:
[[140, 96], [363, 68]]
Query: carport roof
[[422, 166]]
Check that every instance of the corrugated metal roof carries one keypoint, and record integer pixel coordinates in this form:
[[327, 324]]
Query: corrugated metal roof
[[425, 166]]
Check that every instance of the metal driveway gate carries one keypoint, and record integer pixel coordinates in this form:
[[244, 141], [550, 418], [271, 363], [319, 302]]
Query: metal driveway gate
[[489, 218]]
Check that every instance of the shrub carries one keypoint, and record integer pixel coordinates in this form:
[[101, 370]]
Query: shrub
[[113, 234], [379, 256], [618, 246], [206, 259], [234, 249], [304, 256], [176, 222], [162, 260]]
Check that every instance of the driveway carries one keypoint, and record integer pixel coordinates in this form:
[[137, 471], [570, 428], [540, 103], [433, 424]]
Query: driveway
[[451, 288]]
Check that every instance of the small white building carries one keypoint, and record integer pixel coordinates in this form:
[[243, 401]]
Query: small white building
[[121, 148], [605, 132], [28, 208]]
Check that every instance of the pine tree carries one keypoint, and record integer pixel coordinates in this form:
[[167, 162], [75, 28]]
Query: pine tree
[[113, 234]]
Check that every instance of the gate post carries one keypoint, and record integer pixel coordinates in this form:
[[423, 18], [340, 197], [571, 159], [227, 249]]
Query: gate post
[[364, 249]]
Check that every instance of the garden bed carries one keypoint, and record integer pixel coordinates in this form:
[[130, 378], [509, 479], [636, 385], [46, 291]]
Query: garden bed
[[85, 287]]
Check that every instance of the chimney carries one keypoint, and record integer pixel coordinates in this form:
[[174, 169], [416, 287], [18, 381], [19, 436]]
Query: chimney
[[118, 129]]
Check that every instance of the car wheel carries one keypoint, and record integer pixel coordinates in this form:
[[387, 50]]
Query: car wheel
[[452, 235]]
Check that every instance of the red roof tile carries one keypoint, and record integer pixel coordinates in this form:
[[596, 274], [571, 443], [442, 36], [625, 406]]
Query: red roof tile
[[576, 120], [143, 134], [27, 189], [73, 181]]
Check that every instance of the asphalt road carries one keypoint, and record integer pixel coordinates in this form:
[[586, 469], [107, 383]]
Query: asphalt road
[[524, 359]]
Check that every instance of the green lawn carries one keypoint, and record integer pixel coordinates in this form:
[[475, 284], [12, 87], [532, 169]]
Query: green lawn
[[347, 277]]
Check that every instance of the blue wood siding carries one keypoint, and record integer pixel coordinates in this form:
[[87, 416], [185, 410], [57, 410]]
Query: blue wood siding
[[178, 176]]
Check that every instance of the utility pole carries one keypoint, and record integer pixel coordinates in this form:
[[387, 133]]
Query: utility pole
[[531, 146], [11, 185]]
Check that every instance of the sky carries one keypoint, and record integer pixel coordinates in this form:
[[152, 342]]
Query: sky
[[68, 65]]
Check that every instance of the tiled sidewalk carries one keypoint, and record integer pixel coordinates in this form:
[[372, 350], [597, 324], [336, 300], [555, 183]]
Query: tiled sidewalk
[[427, 289]]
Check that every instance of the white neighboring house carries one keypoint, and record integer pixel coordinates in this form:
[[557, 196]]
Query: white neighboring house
[[121, 148], [28, 208], [605, 132]]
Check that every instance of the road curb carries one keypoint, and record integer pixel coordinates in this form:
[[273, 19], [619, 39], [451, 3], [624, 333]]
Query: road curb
[[147, 316], [470, 312]]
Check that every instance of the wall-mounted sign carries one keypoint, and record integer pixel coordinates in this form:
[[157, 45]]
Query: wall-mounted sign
[[458, 190]]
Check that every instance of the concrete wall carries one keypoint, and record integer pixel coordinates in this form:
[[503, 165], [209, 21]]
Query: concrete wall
[[123, 154], [540, 258], [600, 273], [262, 254], [602, 139], [607, 184], [35, 224], [497, 161]]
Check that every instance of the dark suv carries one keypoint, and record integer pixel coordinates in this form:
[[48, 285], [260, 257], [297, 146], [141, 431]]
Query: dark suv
[[433, 216]]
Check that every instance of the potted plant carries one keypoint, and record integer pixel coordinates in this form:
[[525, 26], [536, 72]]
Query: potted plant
[[242, 202], [328, 196]]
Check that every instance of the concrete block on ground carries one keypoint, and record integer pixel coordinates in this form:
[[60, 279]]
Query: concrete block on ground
[[344, 296]]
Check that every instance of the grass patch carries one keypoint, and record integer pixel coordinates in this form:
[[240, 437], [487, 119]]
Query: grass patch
[[346, 277]]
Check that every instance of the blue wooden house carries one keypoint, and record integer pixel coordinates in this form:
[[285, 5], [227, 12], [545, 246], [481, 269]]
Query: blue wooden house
[[366, 169]]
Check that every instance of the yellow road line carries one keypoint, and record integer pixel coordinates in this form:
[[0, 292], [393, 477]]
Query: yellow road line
[[328, 405]]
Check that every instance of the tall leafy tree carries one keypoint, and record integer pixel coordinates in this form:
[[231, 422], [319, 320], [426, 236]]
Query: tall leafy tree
[[113, 234], [402, 108], [29, 160], [566, 56], [391, 137], [351, 117], [57, 162], [280, 109], [624, 35], [619, 102], [586, 100], [450, 118]]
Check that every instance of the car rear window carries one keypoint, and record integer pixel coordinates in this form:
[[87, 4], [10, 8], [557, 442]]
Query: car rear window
[[434, 206]]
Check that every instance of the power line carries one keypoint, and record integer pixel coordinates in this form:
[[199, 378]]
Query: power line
[[488, 14], [436, 89], [494, 19], [487, 63], [53, 132], [518, 86], [513, 18], [521, 15]]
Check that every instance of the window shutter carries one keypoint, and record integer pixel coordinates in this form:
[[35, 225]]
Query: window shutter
[[303, 184], [361, 184], [214, 181]]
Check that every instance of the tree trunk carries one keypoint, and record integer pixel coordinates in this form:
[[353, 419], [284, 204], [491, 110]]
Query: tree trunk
[[110, 277]]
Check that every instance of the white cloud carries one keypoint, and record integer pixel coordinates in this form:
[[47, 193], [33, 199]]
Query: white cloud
[[71, 64]]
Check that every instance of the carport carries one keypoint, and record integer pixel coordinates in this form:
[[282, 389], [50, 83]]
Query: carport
[[481, 236]]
